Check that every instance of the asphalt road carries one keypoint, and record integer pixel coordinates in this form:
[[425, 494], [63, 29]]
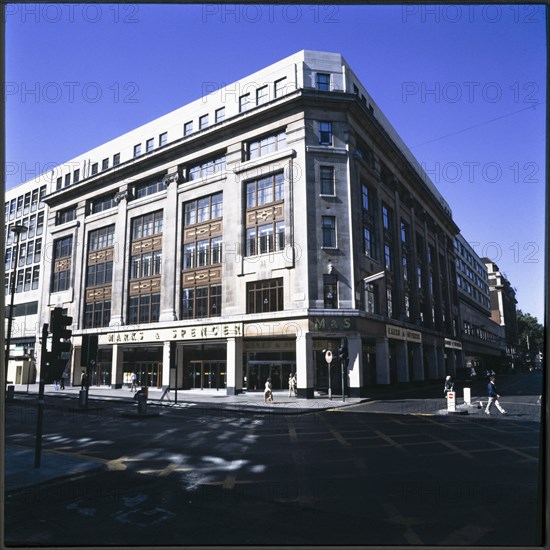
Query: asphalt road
[[356, 476]]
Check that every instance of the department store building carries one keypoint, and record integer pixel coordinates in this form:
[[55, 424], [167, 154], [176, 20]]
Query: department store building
[[233, 239]]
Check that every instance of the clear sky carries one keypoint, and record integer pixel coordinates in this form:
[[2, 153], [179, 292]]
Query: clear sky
[[465, 87]]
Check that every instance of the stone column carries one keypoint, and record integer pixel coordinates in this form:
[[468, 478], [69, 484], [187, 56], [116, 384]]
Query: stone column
[[166, 362], [305, 368], [169, 292], [382, 361], [440, 353], [120, 260], [402, 351], [116, 369], [431, 357], [355, 365], [234, 366], [418, 362]]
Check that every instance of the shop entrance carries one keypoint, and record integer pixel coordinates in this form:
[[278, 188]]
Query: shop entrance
[[205, 375], [257, 372], [149, 374]]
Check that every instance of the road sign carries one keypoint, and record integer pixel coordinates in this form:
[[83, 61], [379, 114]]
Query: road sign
[[328, 356]]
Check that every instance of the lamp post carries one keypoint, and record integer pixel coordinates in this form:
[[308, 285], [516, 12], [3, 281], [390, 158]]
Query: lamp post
[[18, 229]]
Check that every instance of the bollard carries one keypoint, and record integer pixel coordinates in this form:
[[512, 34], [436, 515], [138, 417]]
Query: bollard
[[467, 396], [451, 403], [83, 399], [11, 393], [142, 403]]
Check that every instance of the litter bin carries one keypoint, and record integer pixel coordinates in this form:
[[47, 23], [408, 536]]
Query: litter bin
[[142, 403], [11, 393], [83, 398]]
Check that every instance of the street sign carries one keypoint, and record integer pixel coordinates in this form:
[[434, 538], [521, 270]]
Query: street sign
[[328, 356]]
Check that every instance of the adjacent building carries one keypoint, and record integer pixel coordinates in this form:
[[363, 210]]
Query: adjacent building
[[503, 310], [483, 339], [24, 230], [246, 233]]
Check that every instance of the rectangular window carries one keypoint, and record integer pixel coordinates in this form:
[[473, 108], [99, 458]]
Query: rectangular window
[[220, 114], [203, 122], [279, 86], [137, 150], [149, 188], [244, 103], [262, 95], [149, 145], [95, 168], [405, 269], [187, 128], [34, 200], [76, 177], [62, 251], [201, 302], [323, 82], [325, 133], [389, 302], [35, 277], [266, 145], [386, 217], [105, 164], [67, 180], [367, 242], [330, 291], [106, 202], [404, 232], [67, 215], [163, 139], [207, 168], [328, 228], [116, 159], [388, 257], [101, 238], [265, 191], [204, 209], [327, 180], [370, 298], [59, 184], [27, 204], [264, 296], [147, 225]]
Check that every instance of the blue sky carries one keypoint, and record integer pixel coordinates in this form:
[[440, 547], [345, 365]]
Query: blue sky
[[465, 87]]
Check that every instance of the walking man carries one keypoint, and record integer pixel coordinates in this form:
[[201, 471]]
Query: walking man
[[494, 396]]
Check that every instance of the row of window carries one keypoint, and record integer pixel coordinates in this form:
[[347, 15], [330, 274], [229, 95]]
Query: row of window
[[25, 204], [34, 225], [75, 176], [27, 279], [150, 144], [29, 253]]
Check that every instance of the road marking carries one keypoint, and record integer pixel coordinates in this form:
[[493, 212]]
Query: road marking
[[515, 451], [337, 435], [453, 447], [467, 535], [396, 517], [391, 441]]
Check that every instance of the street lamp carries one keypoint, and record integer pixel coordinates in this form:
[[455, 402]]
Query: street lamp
[[18, 229]]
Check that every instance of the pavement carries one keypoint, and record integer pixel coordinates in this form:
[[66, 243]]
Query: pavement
[[20, 470]]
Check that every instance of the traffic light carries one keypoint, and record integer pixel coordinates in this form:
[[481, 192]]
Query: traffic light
[[88, 356], [343, 354], [60, 334]]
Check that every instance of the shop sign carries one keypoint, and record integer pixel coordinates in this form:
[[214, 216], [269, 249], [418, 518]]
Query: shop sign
[[225, 330], [453, 344], [331, 323], [400, 333], [269, 345]]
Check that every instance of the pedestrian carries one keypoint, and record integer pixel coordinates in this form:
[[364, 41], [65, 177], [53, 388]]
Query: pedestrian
[[494, 396], [62, 384], [55, 385], [449, 385], [268, 393], [292, 384], [84, 380], [133, 385]]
